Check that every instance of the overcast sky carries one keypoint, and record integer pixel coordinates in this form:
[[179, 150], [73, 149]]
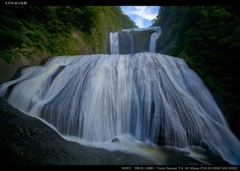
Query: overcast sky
[[141, 15]]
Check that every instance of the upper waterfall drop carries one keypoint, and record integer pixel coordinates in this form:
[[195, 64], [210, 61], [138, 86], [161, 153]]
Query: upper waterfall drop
[[153, 39], [132, 43], [153, 97], [114, 43], [119, 41]]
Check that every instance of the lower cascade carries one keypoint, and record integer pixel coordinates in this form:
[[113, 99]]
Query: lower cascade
[[142, 98]]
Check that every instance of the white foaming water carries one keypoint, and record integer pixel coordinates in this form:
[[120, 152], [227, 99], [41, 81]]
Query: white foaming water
[[114, 43], [135, 101], [132, 44], [156, 28], [154, 36], [153, 39]]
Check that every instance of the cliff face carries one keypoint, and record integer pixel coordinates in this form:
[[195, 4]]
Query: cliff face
[[134, 41], [141, 40], [30, 35], [30, 56], [124, 43]]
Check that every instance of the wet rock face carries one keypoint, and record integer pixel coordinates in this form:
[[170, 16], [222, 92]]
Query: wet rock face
[[141, 40], [124, 43], [10, 70], [28, 141], [115, 140], [134, 41]]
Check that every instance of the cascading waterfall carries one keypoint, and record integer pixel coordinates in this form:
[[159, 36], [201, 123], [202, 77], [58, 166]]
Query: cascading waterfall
[[114, 45], [151, 98], [132, 44], [153, 39]]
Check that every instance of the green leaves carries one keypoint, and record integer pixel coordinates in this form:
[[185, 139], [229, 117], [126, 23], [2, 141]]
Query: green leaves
[[49, 28], [207, 37]]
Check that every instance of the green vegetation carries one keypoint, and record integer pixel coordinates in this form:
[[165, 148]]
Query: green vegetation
[[56, 30], [207, 37]]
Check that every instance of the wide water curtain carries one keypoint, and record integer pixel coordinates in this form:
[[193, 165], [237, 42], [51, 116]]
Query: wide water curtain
[[156, 98]]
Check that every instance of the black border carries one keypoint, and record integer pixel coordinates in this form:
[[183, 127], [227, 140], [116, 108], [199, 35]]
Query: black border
[[128, 167], [122, 2]]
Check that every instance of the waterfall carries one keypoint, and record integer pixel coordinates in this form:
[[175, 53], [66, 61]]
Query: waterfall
[[114, 43], [142, 29], [153, 39], [150, 97], [132, 43]]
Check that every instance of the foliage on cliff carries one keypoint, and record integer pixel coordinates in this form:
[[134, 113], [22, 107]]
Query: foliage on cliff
[[30, 29], [207, 37]]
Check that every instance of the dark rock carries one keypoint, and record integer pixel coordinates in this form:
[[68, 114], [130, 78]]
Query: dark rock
[[28, 141], [115, 140]]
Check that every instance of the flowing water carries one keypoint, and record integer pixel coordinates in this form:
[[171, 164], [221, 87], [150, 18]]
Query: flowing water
[[153, 39], [114, 39], [126, 102], [132, 43], [145, 103]]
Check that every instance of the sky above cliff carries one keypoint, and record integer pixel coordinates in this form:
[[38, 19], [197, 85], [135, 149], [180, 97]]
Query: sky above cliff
[[141, 15]]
